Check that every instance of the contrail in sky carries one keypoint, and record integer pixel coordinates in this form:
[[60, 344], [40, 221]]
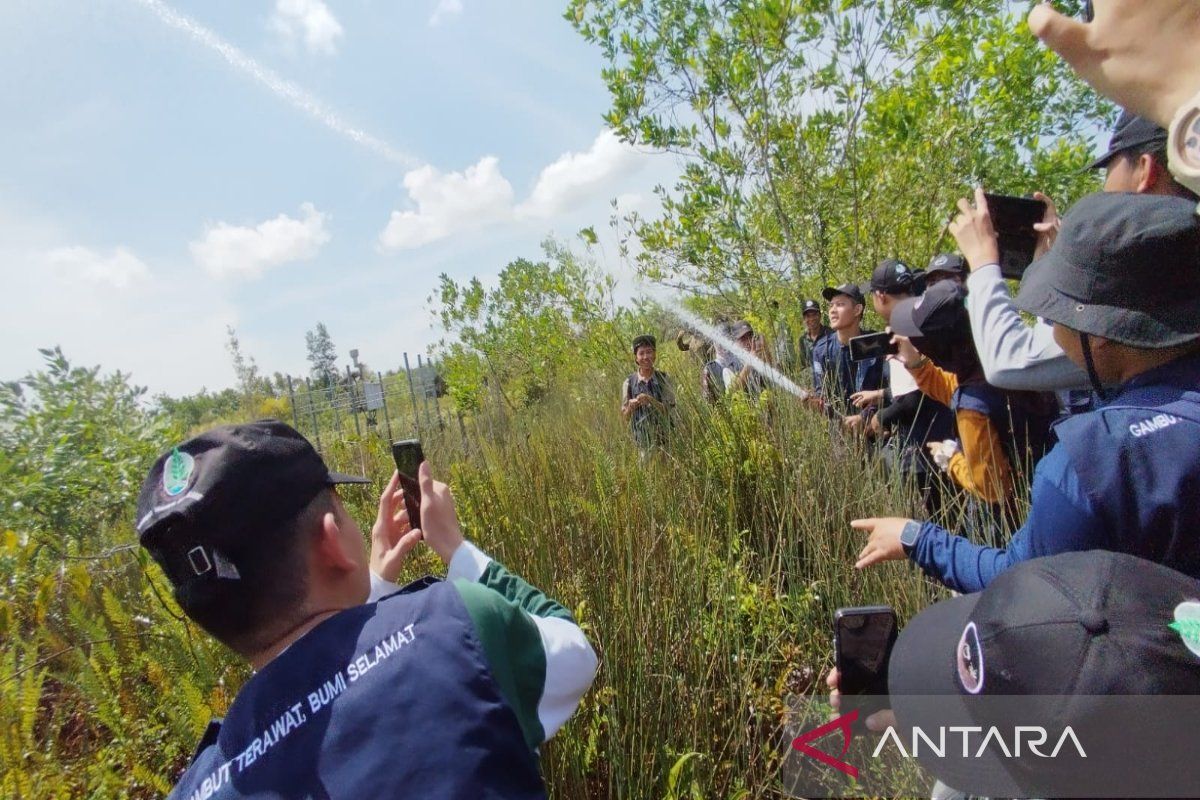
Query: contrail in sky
[[285, 89]]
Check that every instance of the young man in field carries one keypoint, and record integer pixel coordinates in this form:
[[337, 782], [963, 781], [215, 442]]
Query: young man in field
[[1121, 288], [361, 688], [835, 376], [647, 397]]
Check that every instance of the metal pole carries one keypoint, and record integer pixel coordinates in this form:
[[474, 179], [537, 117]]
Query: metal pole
[[437, 406], [333, 402], [412, 393], [387, 420], [353, 401], [292, 397], [424, 390], [312, 410]]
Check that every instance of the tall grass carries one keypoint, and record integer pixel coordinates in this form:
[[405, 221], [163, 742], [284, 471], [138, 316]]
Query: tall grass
[[706, 574]]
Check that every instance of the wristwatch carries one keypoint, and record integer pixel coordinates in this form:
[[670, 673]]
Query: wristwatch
[[1183, 145], [908, 536]]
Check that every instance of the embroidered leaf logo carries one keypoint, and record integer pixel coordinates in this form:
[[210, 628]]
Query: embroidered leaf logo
[[177, 471], [1187, 625]]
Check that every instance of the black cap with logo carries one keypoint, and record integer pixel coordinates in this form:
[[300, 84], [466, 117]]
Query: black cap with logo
[[204, 499], [851, 290], [1048, 644], [810, 307], [1131, 132], [893, 276], [1124, 267], [938, 311], [946, 263]]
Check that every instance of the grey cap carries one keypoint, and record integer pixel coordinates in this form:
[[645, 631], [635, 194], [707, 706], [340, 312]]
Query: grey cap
[[1125, 267], [739, 329]]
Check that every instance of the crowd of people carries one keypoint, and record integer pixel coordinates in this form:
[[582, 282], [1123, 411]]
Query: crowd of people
[[447, 688]]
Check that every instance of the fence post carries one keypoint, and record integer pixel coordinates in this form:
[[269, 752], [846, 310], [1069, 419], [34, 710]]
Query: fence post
[[292, 397], [387, 420], [353, 401], [424, 391], [412, 393], [312, 410]]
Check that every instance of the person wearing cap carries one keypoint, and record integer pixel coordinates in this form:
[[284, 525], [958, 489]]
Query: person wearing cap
[[1103, 643], [997, 429], [835, 375], [913, 417], [1014, 354], [1125, 477], [647, 397], [814, 330], [736, 374], [946, 267], [361, 688]]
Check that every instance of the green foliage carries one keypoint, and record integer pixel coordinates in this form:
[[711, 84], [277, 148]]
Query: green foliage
[[74, 447], [201, 410], [516, 339], [322, 355], [819, 137]]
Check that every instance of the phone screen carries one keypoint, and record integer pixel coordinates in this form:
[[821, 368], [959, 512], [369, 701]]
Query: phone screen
[[863, 640], [408, 456], [871, 345], [1014, 218]]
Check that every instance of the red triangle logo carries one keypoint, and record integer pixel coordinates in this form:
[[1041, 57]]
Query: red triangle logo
[[843, 724]]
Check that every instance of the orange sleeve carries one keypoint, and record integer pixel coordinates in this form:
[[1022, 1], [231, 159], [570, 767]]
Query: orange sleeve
[[982, 467], [935, 382]]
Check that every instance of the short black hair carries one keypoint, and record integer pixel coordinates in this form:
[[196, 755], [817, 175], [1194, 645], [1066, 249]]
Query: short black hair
[[267, 600], [645, 340]]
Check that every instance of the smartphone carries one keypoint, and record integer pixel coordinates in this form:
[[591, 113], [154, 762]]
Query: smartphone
[[862, 646], [408, 455], [872, 345], [1089, 12], [1014, 218]]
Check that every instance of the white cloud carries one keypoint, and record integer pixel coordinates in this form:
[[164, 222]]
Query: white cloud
[[307, 20], [448, 203], [119, 269], [444, 10], [231, 251], [574, 177]]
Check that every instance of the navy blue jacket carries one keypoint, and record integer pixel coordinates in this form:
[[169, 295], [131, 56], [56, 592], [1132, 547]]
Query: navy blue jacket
[[837, 377], [1125, 477]]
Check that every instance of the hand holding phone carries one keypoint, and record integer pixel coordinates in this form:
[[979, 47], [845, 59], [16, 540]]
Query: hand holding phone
[[871, 345], [862, 642], [1014, 219], [408, 455]]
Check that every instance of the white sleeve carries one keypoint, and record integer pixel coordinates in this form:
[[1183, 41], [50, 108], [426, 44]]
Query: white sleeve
[[570, 668], [1015, 355]]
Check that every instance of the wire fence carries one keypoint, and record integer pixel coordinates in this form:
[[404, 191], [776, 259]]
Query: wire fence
[[405, 404]]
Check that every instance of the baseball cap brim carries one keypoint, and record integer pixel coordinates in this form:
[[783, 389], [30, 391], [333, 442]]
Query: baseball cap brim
[[903, 321], [1103, 161], [1040, 297], [925, 693]]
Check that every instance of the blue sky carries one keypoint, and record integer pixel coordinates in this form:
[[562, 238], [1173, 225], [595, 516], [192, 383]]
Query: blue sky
[[152, 192]]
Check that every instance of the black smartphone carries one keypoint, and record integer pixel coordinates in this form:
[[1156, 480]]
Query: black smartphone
[[872, 345], [862, 646], [1014, 218], [1089, 12], [408, 455]]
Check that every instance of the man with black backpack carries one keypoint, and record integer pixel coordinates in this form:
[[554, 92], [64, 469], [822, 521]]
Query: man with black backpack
[[647, 397]]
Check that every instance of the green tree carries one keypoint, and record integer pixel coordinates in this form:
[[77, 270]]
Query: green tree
[[74, 448], [322, 355], [818, 137], [516, 338], [251, 384]]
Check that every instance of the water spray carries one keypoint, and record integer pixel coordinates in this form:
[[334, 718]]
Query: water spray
[[284, 89], [719, 338]]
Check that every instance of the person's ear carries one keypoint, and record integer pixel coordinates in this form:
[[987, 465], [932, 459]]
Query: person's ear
[[1148, 173], [332, 548]]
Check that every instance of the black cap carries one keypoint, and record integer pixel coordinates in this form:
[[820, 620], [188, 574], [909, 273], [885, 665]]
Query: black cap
[[1124, 267], [1131, 131], [893, 276], [1067, 632], [204, 499], [939, 310], [739, 329], [809, 305], [851, 290], [952, 263], [645, 340]]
